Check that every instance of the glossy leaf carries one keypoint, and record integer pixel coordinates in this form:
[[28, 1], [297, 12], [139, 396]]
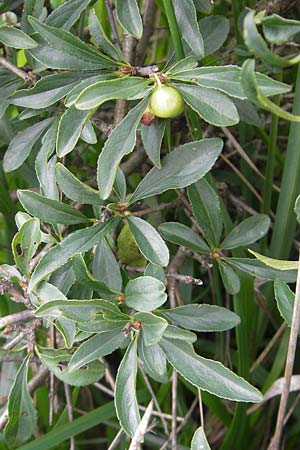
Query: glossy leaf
[[206, 374], [180, 168], [79, 241], [46, 91], [212, 106], [214, 30], [120, 142], [13, 37], [125, 394], [260, 270], [25, 244], [285, 300], [106, 268], [230, 279], [247, 232], [149, 242], [69, 129], [199, 441], [74, 189], [183, 235], [258, 46], [187, 21], [98, 34], [176, 333], [153, 327], [279, 30], [21, 413], [202, 318], [21, 145], [152, 136], [145, 294], [153, 359], [65, 51], [85, 278], [227, 79], [96, 347], [128, 15], [206, 209], [67, 14], [78, 88], [88, 134], [48, 210], [155, 271], [102, 91]]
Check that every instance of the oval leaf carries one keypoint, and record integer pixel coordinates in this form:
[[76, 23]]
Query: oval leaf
[[247, 232], [128, 15], [145, 294], [183, 235]]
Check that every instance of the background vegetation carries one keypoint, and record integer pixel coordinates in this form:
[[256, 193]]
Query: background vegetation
[[136, 251]]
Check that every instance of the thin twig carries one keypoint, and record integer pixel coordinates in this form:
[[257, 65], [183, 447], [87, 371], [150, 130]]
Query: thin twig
[[149, 12], [19, 72], [154, 209], [149, 387], [268, 348], [113, 23], [275, 442], [70, 412], [9, 345], [142, 428], [16, 317]]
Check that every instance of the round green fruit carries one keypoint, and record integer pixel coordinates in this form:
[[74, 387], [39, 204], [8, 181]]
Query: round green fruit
[[166, 102]]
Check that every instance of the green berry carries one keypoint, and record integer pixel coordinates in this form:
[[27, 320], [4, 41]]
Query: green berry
[[166, 102]]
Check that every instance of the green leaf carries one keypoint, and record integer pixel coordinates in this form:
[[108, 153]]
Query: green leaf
[[106, 267], [153, 359], [204, 6], [187, 21], [155, 271], [212, 106], [125, 394], [120, 187], [88, 134], [145, 294], [52, 358], [279, 30], [69, 129], [128, 15], [206, 374], [202, 318], [152, 136], [46, 91], [101, 325], [248, 112], [12, 37], [25, 244], [80, 310], [65, 51], [227, 79], [74, 189], [60, 434], [253, 93], [102, 91], [230, 279], [48, 210], [98, 34], [21, 145], [297, 208], [85, 278], [180, 168], [120, 142], [214, 30], [96, 347], [153, 327], [258, 46], [67, 14], [187, 63], [176, 333], [21, 413], [77, 242], [183, 235], [78, 88], [285, 300], [149, 242], [247, 232], [199, 441], [275, 263], [206, 209], [260, 270]]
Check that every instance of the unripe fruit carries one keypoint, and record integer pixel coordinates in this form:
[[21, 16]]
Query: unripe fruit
[[166, 102]]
